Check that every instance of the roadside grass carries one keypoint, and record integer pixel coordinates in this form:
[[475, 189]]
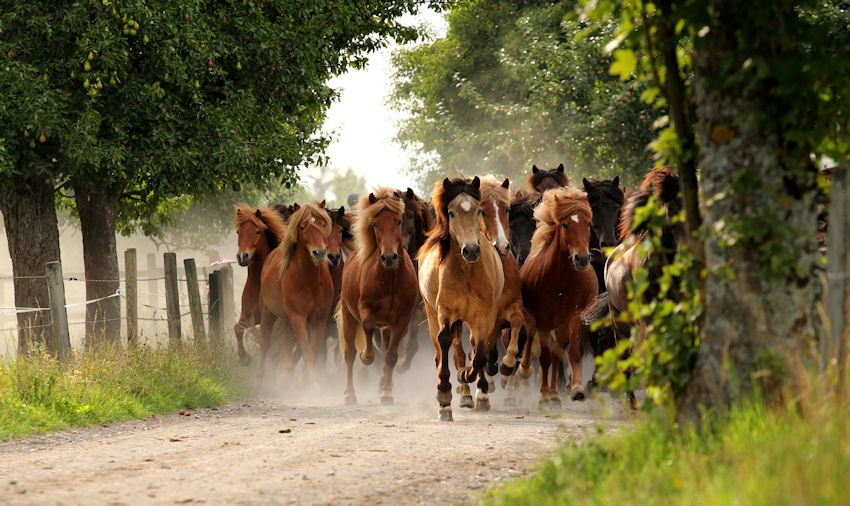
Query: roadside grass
[[39, 394], [755, 456]]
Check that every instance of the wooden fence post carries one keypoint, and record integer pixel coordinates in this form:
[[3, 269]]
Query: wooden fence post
[[61, 340], [131, 288], [838, 270], [172, 297], [152, 284], [227, 305], [214, 307], [194, 299]]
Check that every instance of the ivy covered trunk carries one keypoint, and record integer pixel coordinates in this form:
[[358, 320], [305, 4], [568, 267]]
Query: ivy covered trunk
[[758, 191], [33, 236], [96, 204]]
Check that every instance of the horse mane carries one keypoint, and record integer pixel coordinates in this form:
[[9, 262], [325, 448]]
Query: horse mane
[[290, 239], [535, 178], [444, 192], [493, 189], [663, 183], [269, 221], [422, 220], [385, 198], [524, 202], [558, 205]]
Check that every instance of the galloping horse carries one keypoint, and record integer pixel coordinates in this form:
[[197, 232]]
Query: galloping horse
[[415, 225], [340, 247], [522, 224], [541, 180], [624, 261], [461, 279], [557, 286], [296, 285], [259, 231], [378, 288]]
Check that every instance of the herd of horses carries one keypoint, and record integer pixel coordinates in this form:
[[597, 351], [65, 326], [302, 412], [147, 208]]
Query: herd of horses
[[525, 271]]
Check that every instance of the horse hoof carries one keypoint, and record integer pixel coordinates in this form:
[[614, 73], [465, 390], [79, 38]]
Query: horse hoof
[[577, 394], [366, 361], [482, 404], [446, 414], [555, 401], [444, 398], [403, 366], [466, 401], [524, 373], [491, 385], [507, 371], [350, 400], [244, 360], [387, 400]]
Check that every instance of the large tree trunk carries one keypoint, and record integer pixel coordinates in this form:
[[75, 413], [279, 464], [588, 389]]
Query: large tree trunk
[[32, 232], [756, 330], [96, 204]]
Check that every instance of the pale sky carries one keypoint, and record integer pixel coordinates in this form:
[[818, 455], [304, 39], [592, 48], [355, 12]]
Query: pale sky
[[363, 125]]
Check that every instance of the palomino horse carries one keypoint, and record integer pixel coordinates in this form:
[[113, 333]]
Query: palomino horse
[[461, 279], [605, 198], [415, 224], [624, 261], [378, 288], [259, 231], [296, 285], [541, 180], [557, 286]]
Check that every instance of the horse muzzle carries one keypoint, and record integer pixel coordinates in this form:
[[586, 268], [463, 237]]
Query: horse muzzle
[[334, 260], [244, 259], [504, 250], [389, 261], [471, 253], [581, 261], [319, 255]]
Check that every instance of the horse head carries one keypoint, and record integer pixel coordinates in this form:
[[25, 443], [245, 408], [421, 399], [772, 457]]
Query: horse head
[[314, 227], [464, 216], [522, 223], [542, 180], [568, 213], [340, 231], [495, 202], [380, 220], [249, 232], [606, 198]]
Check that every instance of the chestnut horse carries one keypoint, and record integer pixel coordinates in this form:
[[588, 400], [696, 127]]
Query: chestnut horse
[[259, 231], [557, 286], [626, 259], [340, 247], [541, 180], [296, 285], [415, 225], [461, 279], [378, 288]]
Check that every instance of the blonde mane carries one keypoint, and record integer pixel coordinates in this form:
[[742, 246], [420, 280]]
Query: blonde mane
[[386, 198], [557, 205], [289, 241], [491, 188], [269, 219]]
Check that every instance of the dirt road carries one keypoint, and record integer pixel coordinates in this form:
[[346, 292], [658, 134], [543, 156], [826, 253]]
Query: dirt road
[[306, 449]]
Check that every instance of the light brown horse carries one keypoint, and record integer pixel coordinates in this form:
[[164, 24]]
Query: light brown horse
[[259, 231], [461, 279], [379, 288], [557, 286], [296, 285]]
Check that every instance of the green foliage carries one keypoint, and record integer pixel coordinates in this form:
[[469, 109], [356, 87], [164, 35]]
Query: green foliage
[[754, 457], [165, 98], [39, 394], [513, 84], [663, 361]]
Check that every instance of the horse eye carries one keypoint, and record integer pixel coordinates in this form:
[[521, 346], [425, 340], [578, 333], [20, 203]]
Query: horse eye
[[301, 227], [482, 212], [565, 226], [399, 223], [257, 232], [451, 214], [375, 226]]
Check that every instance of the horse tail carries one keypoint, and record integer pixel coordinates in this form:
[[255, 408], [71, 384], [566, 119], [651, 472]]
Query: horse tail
[[359, 334], [596, 311]]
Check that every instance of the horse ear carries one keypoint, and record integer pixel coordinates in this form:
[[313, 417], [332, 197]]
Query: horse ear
[[561, 168], [534, 169], [397, 194], [506, 183], [585, 182], [258, 214], [476, 183], [341, 211], [446, 183], [372, 198], [410, 193], [295, 207], [322, 204], [616, 181]]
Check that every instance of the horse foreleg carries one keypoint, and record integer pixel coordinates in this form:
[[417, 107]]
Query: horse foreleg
[[484, 346], [460, 365], [574, 352], [525, 360], [412, 345], [246, 320], [394, 336], [367, 321], [444, 385], [545, 361], [267, 321], [298, 323], [349, 329]]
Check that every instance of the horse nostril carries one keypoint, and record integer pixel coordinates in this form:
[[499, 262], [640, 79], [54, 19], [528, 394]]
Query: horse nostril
[[395, 257]]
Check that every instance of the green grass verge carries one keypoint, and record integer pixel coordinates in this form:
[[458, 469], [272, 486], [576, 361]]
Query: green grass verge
[[756, 456], [39, 394]]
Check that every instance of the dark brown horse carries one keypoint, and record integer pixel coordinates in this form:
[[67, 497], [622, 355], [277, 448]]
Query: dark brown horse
[[522, 223], [557, 286], [378, 288], [460, 277], [541, 180], [626, 259], [259, 231], [296, 286]]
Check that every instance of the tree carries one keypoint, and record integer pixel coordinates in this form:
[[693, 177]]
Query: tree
[[515, 83], [135, 102]]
